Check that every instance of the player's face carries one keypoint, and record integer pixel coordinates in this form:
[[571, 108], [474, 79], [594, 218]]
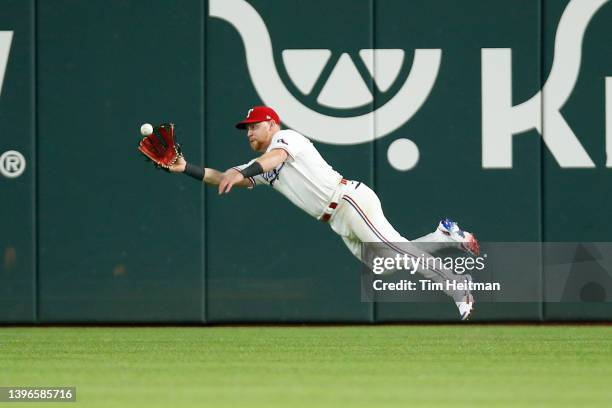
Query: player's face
[[259, 135]]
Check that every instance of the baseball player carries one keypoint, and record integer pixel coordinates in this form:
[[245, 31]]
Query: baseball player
[[291, 164]]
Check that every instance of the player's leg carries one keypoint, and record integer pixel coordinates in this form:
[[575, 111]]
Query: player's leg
[[448, 234], [360, 216], [354, 245]]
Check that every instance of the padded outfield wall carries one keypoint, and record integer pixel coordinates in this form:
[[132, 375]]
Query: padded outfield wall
[[498, 114]]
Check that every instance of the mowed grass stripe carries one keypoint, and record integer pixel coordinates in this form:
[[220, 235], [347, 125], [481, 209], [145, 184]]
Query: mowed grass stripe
[[361, 366]]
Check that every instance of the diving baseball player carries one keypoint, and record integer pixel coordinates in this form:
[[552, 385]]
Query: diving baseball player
[[291, 164]]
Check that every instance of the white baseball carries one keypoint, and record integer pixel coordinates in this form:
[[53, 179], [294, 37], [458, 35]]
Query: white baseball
[[146, 129]]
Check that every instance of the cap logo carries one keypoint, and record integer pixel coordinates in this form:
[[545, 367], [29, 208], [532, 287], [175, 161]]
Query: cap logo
[[249, 113], [268, 117]]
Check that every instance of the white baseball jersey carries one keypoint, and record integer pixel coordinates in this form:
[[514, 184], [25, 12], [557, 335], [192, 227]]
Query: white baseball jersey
[[305, 178], [309, 182]]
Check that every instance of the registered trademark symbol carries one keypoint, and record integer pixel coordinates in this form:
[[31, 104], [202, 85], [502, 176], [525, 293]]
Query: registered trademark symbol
[[12, 164]]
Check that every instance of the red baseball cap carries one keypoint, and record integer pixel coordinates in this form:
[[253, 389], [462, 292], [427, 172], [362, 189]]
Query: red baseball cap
[[258, 114]]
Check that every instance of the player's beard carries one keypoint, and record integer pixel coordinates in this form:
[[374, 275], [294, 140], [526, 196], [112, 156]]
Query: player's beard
[[255, 145]]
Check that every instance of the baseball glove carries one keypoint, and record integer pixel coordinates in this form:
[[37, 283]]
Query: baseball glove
[[160, 146]]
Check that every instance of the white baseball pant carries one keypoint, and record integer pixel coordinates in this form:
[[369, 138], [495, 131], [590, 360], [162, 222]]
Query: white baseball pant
[[359, 218]]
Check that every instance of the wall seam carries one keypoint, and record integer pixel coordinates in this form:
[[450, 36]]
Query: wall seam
[[374, 310], [35, 241], [541, 232], [204, 258]]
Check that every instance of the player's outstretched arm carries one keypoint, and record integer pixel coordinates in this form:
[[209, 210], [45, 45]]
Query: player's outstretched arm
[[214, 177], [264, 163], [272, 159], [206, 175]]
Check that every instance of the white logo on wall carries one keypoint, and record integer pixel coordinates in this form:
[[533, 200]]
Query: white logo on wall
[[12, 164], [6, 37], [345, 89], [501, 120]]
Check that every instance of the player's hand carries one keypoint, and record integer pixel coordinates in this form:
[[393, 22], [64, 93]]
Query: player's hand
[[179, 166], [228, 179]]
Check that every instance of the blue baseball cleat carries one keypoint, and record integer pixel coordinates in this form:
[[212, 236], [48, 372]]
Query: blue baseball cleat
[[468, 241]]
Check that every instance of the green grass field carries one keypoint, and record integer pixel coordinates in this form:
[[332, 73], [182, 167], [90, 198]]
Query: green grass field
[[352, 366]]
